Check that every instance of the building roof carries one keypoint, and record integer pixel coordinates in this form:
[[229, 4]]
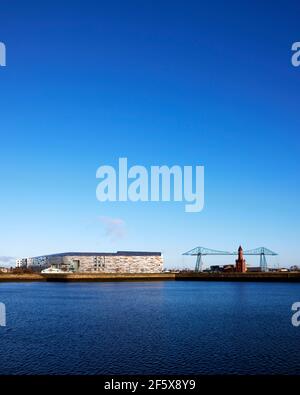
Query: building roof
[[118, 253]]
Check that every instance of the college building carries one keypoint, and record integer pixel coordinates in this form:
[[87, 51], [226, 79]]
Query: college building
[[105, 262]]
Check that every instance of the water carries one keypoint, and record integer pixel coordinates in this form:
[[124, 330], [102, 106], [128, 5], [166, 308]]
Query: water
[[149, 328]]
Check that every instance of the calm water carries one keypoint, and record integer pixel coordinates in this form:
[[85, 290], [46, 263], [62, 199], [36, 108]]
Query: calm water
[[148, 328]]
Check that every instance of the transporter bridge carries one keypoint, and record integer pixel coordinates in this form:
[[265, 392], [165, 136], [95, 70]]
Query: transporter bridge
[[199, 252]]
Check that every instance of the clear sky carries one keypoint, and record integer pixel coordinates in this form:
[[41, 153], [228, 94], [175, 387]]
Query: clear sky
[[161, 83]]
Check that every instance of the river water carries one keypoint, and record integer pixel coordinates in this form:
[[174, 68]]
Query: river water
[[149, 328]]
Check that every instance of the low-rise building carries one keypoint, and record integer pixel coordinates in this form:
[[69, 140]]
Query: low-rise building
[[225, 268], [253, 269]]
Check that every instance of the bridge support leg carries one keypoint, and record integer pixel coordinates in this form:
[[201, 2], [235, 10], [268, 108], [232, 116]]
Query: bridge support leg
[[199, 263], [263, 263]]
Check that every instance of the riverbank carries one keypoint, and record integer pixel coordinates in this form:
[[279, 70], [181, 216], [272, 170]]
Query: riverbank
[[254, 277], [86, 277], [92, 277]]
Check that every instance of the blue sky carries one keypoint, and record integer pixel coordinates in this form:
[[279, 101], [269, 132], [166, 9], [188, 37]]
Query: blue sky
[[161, 83]]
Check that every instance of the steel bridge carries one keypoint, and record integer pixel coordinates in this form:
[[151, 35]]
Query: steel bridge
[[201, 251]]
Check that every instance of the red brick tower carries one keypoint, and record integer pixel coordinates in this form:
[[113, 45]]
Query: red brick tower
[[240, 263]]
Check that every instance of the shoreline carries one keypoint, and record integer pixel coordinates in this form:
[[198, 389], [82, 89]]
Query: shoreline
[[113, 277]]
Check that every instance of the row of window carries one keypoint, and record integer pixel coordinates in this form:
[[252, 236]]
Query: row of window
[[102, 265]]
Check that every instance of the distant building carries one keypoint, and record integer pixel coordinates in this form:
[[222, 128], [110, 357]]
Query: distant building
[[228, 268], [216, 268], [254, 269], [103, 262], [21, 263], [240, 263], [225, 268]]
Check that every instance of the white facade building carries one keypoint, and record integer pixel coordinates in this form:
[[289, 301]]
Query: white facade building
[[105, 262]]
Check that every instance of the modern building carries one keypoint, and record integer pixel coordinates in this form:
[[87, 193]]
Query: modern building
[[105, 262], [21, 263]]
